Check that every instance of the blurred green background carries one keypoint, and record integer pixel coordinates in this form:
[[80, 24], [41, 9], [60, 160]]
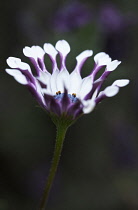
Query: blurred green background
[[99, 163]]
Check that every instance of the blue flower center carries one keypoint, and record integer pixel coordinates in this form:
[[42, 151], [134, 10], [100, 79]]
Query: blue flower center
[[60, 95]]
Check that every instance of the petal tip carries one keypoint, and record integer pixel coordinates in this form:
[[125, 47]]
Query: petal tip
[[121, 82], [63, 47], [111, 91]]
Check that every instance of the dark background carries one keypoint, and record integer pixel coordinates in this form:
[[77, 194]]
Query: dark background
[[99, 164]]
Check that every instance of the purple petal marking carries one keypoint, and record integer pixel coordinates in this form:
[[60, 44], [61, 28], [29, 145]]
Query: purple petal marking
[[78, 112], [103, 78], [105, 75], [74, 108], [95, 71], [30, 78], [42, 84], [100, 98], [48, 99], [37, 68], [98, 83], [52, 104], [39, 65], [95, 86], [55, 107], [54, 63], [65, 101], [37, 96], [81, 59], [62, 60]]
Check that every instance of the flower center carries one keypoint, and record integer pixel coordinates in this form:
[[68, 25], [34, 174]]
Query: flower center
[[60, 95]]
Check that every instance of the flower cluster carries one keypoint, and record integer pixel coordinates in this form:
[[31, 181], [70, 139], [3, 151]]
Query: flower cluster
[[62, 93]]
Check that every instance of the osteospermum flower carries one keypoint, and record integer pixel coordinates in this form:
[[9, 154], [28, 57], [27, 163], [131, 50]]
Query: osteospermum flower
[[62, 93], [65, 96]]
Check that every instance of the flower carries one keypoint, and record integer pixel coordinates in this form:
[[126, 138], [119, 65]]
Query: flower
[[62, 93], [71, 16], [111, 19]]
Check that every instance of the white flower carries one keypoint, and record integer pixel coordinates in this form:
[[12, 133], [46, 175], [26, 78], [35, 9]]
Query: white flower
[[61, 92]]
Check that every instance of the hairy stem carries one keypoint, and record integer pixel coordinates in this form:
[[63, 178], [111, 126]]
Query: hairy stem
[[61, 131]]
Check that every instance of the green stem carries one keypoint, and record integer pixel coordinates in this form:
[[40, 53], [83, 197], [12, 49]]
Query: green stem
[[61, 131]]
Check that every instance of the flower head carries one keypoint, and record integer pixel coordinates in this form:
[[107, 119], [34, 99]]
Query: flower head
[[62, 93]]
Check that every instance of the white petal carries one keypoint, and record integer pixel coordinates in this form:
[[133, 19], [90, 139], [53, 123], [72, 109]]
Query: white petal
[[63, 80], [24, 66], [94, 95], [13, 72], [46, 91], [44, 77], [102, 59], [121, 82], [34, 52], [99, 55], [63, 47], [111, 91], [82, 57], [89, 105], [75, 82], [39, 88], [53, 81], [50, 50], [39, 51], [21, 79], [27, 51], [17, 63], [18, 76], [13, 62], [85, 87], [112, 65]]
